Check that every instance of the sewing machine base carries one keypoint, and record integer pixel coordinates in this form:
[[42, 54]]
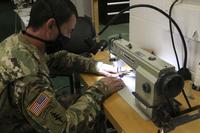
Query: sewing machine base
[[127, 95]]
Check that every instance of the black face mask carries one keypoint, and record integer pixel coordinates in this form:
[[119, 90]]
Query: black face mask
[[56, 45], [52, 46]]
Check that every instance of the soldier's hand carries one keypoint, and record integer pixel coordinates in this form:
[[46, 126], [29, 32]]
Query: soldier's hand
[[111, 85], [107, 70]]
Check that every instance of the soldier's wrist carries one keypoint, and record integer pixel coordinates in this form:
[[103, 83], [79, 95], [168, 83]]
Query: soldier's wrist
[[94, 90], [102, 88]]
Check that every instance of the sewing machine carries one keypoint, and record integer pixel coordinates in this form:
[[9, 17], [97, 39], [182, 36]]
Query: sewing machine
[[156, 85], [156, 80]]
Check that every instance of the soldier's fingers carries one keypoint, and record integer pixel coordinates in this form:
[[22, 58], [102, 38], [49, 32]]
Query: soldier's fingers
[[117, 88], [118, 84], [119, 81], [108, 74]]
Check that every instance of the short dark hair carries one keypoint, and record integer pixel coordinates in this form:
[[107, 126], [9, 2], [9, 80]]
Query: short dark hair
[[42, 10]]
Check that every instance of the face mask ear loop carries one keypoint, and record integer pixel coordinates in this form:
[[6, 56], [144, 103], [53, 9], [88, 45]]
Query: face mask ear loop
[[59, 31], [34, 37]]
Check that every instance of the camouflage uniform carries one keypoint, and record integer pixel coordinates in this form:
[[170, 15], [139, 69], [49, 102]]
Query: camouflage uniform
[[27, 100]]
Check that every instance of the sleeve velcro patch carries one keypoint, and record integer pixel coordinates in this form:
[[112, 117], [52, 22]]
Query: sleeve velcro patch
[[39, 104]]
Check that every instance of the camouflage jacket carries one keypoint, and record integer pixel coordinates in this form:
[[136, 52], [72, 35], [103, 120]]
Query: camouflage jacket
[[27, 98]]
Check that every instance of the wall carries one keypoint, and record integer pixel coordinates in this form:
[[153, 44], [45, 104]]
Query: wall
[[150, 29], [83, 7]]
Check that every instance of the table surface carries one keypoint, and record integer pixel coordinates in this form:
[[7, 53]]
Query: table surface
[[126, 120]]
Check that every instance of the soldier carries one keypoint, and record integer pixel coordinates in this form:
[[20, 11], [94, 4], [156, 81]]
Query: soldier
[[27, 99]]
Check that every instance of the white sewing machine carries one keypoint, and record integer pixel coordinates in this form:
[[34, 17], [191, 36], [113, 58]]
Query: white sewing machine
[[156, 81], [153, 87]]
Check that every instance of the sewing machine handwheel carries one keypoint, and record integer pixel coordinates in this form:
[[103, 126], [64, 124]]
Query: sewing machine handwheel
[[170, 85]]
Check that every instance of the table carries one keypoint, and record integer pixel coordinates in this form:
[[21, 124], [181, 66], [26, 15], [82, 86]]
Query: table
[[126, 120]]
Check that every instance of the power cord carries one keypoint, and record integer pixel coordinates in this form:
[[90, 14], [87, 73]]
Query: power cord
[[171, 33], [183, 71], [157, 9]]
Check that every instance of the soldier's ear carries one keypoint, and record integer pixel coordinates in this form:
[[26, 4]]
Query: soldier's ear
[[51, 23]]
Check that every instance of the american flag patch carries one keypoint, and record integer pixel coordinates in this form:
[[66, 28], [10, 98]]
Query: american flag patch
[[39, 105]]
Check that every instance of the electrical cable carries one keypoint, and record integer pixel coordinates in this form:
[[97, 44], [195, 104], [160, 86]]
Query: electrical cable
[[171, 33], [174, 48], [157, 9], [183, 71]]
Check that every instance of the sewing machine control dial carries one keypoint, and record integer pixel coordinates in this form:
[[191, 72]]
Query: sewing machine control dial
[[129, 46], [146, 87], [152, 58]]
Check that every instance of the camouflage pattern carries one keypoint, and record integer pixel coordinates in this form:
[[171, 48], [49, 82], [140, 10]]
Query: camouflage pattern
[[69, 62], [24, 76]]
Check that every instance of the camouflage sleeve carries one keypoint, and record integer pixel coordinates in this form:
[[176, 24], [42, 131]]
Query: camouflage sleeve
[[64, 62], [45, 114]]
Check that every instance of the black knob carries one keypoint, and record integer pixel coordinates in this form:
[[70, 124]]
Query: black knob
[[129, 46], [152, 58], [146, 87]]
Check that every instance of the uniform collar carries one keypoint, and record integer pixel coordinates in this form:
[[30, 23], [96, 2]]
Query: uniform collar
[[32, 48]]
